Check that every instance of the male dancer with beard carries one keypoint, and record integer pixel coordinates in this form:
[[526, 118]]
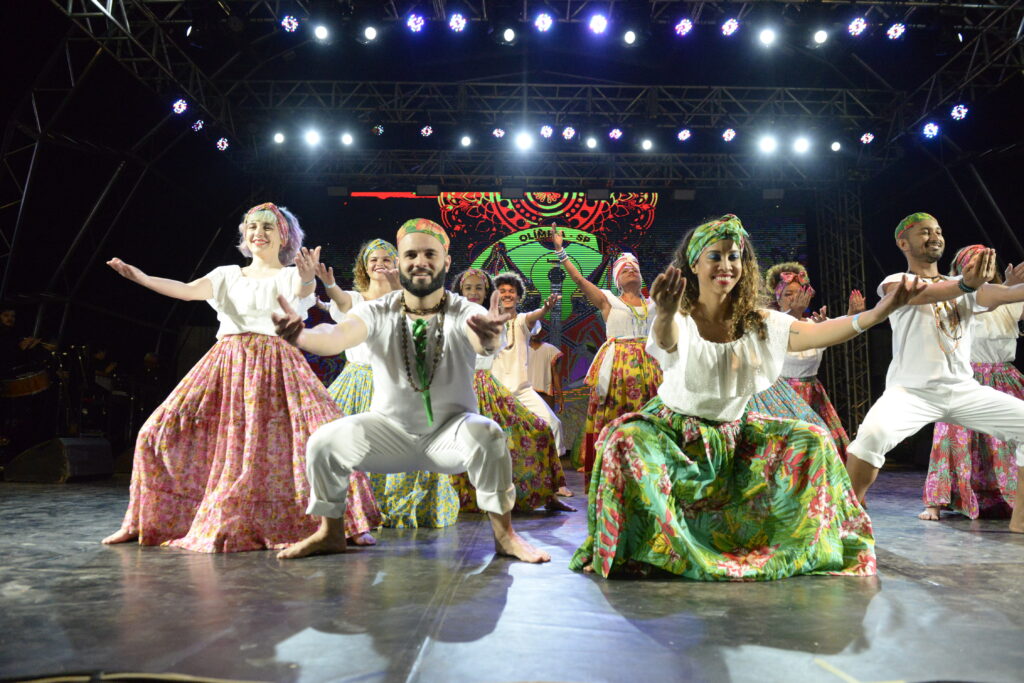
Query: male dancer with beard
[[423, 342], [930, 377]]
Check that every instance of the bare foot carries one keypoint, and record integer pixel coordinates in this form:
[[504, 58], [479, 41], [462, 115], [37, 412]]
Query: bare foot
[[589, 569], [319, 543], [121, 536], [514, 545], [556, 505], [363, 539], [564, 492], [579, 469], [930, 513]]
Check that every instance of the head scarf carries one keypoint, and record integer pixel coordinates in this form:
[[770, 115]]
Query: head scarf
[[283, 226], [425, 226], [963, 257], [911, 220], [620, 263], [728, 227], [786, 277], [379, 245]]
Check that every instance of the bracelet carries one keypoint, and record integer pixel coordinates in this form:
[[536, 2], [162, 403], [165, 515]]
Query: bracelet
[[562, 256], [311, 282], [966, 289], [328, 286], [856, 324]]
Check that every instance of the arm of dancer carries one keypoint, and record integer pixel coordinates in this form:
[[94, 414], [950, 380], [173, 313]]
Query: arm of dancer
[[667, 292], [976, 273], [197, 290], [993, 295], [485, 331], [556, 381], [805, 335], [322, 340], [306, 261], [340, 297], [590, 290], [533, 316]]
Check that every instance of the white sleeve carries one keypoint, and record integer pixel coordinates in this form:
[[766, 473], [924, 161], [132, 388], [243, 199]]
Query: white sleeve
[[370, 312], [896, 277], [665, 358], [218, 278], [336, 313], [778, 332]]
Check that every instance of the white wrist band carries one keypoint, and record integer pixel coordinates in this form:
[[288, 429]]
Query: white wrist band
[[328, 286], [856, 324]]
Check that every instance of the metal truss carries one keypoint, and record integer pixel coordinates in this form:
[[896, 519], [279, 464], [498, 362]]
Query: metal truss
[[841, 259]]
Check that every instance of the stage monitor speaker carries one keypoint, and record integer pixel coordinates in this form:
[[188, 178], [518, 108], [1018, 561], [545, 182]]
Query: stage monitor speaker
[[57, 460]]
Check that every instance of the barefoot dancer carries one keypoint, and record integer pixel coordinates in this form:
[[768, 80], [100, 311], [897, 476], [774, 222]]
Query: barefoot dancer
[[975, 474], [623, 376], [693, 485], [406, 499], [536, 470], [220, 466], [423, 342], [930, 378]]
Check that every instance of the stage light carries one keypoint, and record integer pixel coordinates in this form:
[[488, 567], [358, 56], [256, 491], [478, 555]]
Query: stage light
[[959, 112], [498, 133], [857, 26], [728, 134], [836, 146], [683, 27], [629, 37], [615, 133], [188, 31], [544, 22], [466, 141], [766, 36], [960, 36], [684, 135], [524, 141], [820, 37], [546, 131], [346, 139], [598, 23], [896, 31], [222, 145], [591, 142], [801, 145], [321, 33], [767, 144], [457, 23], [179, 106], [278, 138], [367, 35], [198, 125], [377, 130], [426, 131], [505, 35], [312, 138], [415, 22], [568, 132], [646, 145], [930, 130], [730, 27], [290, 24], [866, 138]]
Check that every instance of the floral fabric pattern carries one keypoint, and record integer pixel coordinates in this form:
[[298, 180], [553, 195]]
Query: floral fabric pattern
[[757, 499], [811, 390]]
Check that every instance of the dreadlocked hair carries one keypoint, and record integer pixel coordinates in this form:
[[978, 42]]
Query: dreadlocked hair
[[774, 274], [483, 274], [745, 297]]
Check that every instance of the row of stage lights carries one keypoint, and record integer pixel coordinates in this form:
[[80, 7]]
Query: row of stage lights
[[524, 139], [598, 24]]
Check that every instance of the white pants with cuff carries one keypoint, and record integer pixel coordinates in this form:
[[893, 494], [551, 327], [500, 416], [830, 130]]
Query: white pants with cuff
[[529, 397], [370, 442], [901, 411]]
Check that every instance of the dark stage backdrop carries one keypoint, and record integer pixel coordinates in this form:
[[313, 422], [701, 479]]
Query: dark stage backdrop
[[502, 234]]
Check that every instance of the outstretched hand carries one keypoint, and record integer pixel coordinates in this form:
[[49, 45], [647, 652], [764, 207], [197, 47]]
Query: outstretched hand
[[488, 327], [325, 273], [667, 289], [557, 238], [1014, 274], [801, 301], [551, 302], [980, 269], [126, 271], [900, 296], [289, 325], [307, 261], [393, 280], [820, 315], [856, 304]]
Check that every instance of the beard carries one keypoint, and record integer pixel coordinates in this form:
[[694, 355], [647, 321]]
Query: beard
[[924, 254], [435, 283]]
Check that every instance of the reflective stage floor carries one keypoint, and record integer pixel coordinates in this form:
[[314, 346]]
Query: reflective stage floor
[[437, 605]]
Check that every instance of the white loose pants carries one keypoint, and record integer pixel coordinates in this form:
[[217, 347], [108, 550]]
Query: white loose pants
[[529, 397], [370, 442], [901, 411]]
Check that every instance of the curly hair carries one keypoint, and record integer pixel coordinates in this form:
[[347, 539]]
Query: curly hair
[[488, 283], [361, 276], [288, 252], [773, 275], [746, 296], [510, 278]]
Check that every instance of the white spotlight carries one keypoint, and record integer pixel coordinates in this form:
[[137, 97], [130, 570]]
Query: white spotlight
[[801, 145], [466, 141], [312, 138], [346, 138], [369, 34], [836, 146], [321, 32], [646, 145], [524, 141], [767, 144], [629, 37], [279, 138], [508, 35], [820, 37], [767, 36], [591, 142]]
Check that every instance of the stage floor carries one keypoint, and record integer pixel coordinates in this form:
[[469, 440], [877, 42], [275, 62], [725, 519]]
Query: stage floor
[[437, 605]]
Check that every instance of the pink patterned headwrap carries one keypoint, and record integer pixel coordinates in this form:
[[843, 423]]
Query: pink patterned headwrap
[[282, 222], [963, 257], [620, 263], [787, 277]]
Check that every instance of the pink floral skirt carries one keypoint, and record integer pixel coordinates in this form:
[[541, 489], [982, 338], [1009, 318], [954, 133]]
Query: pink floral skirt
[[221, 465], [971, 473], [811, 390]]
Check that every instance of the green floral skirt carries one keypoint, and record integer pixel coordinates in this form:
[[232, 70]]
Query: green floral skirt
[[756, 499]]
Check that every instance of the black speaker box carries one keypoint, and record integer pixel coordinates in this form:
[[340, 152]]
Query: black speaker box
[[57, 460]]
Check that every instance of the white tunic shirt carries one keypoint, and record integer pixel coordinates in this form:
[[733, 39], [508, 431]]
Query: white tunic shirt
[[540, 366], [995, 334], [452, 388], [511, 362], [622, 322], [244, 304], [922, 355], [714, 380], [802, 363], [357, 354]]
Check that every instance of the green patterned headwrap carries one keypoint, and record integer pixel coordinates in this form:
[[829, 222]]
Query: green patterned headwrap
[[728, 227], [378, 245], [911, 219], [425, 226]]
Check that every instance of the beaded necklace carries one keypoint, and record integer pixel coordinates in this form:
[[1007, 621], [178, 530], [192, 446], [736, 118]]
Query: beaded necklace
[[947, 318], [441, 309], [510, 332], [639, 320]]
